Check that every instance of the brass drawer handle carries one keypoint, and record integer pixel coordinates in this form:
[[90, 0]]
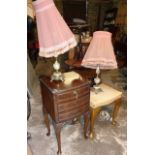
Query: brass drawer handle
[[75, 93]]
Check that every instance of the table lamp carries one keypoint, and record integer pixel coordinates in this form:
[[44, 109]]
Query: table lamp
[[100, 54], [54, 35]]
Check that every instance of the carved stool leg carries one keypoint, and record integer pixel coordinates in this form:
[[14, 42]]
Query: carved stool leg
[[115, 111], [94, 113], [86, 124], [57, 128], [46, 120]]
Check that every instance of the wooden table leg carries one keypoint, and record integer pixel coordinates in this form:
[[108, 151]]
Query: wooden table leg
[[86, 124], [115, 111], [94, 113], [57, 128], [46, 120]]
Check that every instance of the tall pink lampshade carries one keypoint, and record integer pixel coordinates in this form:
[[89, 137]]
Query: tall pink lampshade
[[100, 53], [55, 37]]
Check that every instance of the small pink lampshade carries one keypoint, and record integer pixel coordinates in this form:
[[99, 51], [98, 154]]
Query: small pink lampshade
[[54, 35], [100, 52]]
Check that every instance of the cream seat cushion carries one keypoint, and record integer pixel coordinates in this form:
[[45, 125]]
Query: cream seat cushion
[[106, 97]]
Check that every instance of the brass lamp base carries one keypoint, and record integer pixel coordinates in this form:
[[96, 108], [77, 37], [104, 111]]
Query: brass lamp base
[[57, 76], [96, 89]]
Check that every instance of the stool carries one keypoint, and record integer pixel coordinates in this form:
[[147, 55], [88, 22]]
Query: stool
[[108, 96]]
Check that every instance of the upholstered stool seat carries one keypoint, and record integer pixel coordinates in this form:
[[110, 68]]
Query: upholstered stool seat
[[108, 96]]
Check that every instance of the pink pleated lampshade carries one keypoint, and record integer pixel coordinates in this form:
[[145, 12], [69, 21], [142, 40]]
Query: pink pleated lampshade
[[100, 52], [54, 35]]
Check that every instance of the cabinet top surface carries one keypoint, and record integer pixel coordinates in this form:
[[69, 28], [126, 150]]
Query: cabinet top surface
[[57, 86]]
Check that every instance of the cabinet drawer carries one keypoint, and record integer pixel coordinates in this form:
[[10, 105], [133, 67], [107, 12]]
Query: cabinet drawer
[[72, 113], [71, 95], [77, 103], [74, 108]]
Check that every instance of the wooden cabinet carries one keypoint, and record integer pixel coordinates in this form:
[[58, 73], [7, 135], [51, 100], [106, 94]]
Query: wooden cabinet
[[121, 19], [64, 103], [120, 39]]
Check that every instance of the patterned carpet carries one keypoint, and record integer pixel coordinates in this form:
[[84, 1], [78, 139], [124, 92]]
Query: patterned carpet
[[109, 140]]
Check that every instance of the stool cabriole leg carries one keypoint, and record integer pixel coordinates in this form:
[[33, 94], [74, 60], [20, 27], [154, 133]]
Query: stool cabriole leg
[[115, 111], [94, 113], [86, 123]]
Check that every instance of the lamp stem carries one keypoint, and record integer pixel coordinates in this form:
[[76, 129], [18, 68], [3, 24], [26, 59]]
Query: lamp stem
[[56, 64], [97, 79]]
